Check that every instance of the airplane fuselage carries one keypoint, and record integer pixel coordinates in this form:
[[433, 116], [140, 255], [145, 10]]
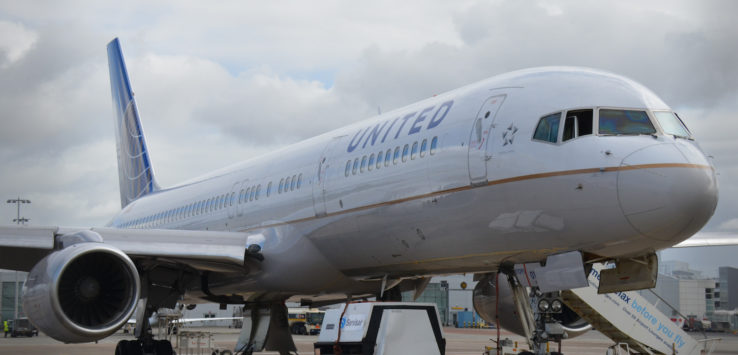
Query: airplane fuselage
[[459, 182]]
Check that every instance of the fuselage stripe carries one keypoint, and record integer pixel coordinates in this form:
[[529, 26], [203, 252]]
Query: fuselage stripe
[[492, 183]]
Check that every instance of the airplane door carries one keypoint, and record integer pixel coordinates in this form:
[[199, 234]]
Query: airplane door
[[240, 206], [324, 169], [233, 205], [479, 139]]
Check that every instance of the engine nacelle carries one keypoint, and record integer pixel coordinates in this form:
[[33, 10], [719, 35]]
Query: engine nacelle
[[485, 303], [82, 293]]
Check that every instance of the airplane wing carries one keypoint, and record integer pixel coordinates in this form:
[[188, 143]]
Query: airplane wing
[[21, 247], [709, 239]]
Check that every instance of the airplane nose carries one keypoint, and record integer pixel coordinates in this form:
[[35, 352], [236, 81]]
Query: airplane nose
[[667, 193]]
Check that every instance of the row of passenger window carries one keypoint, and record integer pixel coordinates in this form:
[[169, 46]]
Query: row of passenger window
[[368, 163], [213, 204]]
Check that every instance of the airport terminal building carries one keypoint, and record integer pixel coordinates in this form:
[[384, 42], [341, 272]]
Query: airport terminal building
[[10, 282]]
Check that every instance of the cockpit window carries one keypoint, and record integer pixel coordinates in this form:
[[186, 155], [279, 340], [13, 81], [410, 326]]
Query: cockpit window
[[625, 122], [578, 123], [671, 124], [548, 128]]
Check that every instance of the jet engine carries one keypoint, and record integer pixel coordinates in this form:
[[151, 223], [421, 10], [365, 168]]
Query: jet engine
[[486, 305], [82, 293]]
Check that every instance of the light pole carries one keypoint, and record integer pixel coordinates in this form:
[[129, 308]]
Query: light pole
[[18, 201]]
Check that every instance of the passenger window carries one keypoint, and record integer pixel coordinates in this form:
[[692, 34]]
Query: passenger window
[[625, 122], [423, 147], [356, 166], [348, 168], [396, 157], [293, 183], [363, 164], [246, 196], [578, 123], [414, 151], [281, 183], [379, 159], [258, 191], [253, 192], [405, 151], [240, 197], [269, 189], [299, 181], [370, 164], [287, 184], [233, 198], [548, 128], [387, 157], [434, 145]]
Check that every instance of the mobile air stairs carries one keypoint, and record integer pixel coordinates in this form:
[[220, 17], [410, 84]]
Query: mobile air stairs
[[632, 322], [629, 319]]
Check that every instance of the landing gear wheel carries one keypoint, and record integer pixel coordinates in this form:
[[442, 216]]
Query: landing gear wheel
[[163, 347], [298, 329], [128, 347]]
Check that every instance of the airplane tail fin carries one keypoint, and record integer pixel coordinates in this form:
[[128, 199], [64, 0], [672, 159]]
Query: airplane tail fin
[[135, 174]]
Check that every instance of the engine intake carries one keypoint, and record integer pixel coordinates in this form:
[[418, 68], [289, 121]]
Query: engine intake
[[82, 293]]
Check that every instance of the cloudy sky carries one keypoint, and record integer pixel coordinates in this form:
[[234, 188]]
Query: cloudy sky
[[218, 84]]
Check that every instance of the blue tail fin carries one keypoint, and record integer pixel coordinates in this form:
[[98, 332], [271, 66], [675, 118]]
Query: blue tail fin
[[135, 174]]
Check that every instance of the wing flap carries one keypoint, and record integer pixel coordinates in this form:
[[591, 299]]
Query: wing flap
[[22, 247], [709, 239], [26, 237]]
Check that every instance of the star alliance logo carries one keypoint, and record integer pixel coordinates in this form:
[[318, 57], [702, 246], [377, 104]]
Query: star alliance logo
[[509, 135]]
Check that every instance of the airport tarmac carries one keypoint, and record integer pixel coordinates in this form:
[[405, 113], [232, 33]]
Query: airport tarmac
[[459, 342]]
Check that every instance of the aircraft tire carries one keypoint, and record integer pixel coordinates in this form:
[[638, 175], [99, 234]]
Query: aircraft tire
[[163, 347], [128, 347]]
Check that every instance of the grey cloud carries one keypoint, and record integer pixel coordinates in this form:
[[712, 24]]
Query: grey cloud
[[214, 93]]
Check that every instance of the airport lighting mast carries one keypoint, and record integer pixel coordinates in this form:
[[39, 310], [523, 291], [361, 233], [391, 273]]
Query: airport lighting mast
[[18, 201]]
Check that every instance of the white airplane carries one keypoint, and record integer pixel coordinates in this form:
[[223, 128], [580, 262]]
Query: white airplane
[[561, 165]]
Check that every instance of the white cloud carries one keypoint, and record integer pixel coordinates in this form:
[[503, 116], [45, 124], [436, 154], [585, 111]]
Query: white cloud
[[729, 225], [15, 42]]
